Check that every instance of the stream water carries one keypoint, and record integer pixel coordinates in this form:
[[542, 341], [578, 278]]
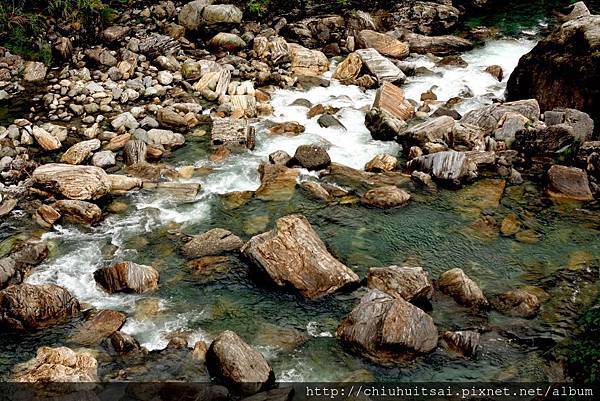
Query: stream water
[[556, 258]]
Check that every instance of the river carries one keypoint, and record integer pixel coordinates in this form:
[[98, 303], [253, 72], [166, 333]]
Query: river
[[435, 230]]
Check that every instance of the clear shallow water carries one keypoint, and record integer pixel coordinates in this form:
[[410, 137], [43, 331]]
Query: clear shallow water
[[435, 230]]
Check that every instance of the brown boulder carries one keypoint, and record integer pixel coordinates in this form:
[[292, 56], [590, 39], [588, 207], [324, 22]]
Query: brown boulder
[[495, 71], [349, 69], [80, 151], [562, 70], [100, 326], [385, 197], [459, 286], [518, 303], [292, 254], [29, 306], [464, 343], [278, 183], [569, 182], [382, 162], [73, 182], [58, 365], [127, 277], [384, 44], [80, 212], [406, 282], [311, 157], [230, 359], [387, 330], [390, 99]]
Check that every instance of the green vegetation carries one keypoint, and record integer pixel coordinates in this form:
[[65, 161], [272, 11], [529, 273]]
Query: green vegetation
[[584, 354], [23, 22], [264, 7]]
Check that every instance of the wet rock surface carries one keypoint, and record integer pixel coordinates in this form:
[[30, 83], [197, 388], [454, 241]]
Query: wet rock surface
[[386, 329], [293, 255]]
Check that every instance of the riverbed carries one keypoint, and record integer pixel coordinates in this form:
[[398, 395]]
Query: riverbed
[[437, 231]]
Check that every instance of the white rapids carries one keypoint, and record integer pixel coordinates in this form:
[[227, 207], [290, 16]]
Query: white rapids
[[81, 249]]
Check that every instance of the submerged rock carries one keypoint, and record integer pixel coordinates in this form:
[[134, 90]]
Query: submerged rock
[[29, 306], [213, 242], [465, 343], [409, 283], [387, 330], [459, 286], [58, 365], [385, 197], [293, 255], [517, 303], [230, 359], [127, 277]]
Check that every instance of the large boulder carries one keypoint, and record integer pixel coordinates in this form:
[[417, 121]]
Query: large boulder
[[29, 306], [233, 361], [293, 255], [387, 329], [407, 282], [382, 68], [311, 157], [190, 15], [35, 71], [213, 242], [569, 182], [349, 69], [384, 44], [459, 286], [127, 277], [73, 182], [563, 70], [58, 365]]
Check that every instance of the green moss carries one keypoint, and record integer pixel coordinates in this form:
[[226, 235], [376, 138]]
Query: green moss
[[584, 357], [24, 22]]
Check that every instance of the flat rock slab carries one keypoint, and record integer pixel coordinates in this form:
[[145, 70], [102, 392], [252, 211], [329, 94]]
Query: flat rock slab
[[381, 67], [293, 255]]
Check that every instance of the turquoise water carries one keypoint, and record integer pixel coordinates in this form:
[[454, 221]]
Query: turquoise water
[[558, 259]]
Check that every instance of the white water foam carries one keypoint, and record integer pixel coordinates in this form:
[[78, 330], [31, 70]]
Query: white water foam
[[451, 81]]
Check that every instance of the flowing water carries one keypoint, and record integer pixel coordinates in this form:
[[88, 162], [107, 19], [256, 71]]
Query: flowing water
[[438, 231]]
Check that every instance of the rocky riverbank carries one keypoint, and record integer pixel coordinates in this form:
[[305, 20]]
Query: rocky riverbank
[[147, 127]]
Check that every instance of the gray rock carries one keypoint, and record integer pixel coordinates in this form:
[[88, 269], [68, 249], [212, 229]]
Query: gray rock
[[387, 330], [212, 243]]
